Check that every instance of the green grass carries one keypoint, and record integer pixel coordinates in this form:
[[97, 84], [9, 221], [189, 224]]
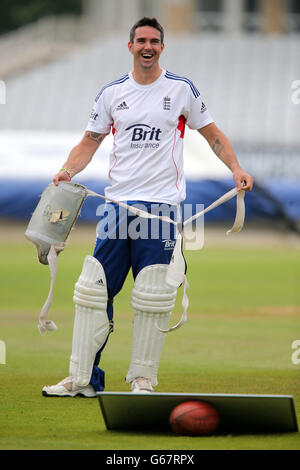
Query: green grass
[[244, 315]]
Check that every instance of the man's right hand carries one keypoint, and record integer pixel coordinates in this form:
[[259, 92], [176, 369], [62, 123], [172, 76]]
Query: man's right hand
[[61, 176]]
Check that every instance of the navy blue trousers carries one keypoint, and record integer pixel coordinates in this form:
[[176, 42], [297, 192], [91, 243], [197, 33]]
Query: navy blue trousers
[[125, 241]]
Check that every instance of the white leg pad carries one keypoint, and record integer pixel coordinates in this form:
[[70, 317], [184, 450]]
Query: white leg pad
[[91, 325], [153, 301]]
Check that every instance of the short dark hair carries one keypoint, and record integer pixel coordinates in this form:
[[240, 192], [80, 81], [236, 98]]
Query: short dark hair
[[147, 22]]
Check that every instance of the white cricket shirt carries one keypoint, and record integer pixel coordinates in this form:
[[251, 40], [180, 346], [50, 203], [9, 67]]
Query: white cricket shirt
[[147, 122]]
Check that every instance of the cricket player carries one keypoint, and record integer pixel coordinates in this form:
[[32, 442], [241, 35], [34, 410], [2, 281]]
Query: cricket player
[[146, 110]]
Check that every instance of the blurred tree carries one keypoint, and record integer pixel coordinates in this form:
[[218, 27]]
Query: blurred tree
[[16, 13]]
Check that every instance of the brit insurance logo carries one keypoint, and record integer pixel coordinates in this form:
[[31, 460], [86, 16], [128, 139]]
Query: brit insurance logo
[[144, 136], [168, 244]]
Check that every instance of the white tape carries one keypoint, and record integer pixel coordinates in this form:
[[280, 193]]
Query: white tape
[[176, 272], [44, 324]]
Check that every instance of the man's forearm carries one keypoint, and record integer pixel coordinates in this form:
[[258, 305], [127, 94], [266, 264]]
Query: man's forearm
[[81, 154], [78, 159], [224, 150], [222, 147]]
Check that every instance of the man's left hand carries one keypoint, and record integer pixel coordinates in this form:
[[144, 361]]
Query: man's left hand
[[243, 180]]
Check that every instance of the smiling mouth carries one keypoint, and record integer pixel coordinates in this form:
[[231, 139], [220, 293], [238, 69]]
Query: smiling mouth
[[147, 56]]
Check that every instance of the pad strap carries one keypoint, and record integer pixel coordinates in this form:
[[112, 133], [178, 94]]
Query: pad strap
[[176, 274], [44, 324]]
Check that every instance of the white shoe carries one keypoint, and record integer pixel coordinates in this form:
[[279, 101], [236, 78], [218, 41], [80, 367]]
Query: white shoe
[[141, 385], [66, 388]]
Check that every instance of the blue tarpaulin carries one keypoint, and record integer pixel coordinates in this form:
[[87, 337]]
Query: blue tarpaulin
[[280, 199]]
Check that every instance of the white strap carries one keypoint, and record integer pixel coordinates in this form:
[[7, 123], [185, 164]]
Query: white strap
[[240, 210], [176, 274], [133, 209], [226, 197], [185, 304], [45, 324], [176, 271], [240, 213]]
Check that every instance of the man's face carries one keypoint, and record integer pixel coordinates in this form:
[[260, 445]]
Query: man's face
[[146, 47]]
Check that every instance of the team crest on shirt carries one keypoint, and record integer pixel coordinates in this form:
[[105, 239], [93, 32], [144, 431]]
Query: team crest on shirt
[[167, 103]]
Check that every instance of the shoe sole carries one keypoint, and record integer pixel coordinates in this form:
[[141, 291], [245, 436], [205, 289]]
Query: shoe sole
[[45, 394]]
